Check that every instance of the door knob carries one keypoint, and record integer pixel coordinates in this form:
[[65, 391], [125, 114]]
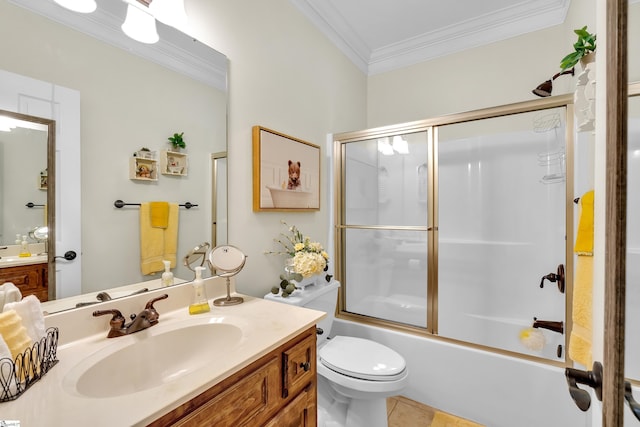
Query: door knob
[[591, 378], [558, 276], [633, 405], [69, 256]]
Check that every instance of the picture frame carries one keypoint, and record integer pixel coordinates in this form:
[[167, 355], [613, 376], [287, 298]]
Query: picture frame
[[286, 172]]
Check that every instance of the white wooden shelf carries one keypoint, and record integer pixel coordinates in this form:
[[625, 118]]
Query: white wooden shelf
[[174, 163]]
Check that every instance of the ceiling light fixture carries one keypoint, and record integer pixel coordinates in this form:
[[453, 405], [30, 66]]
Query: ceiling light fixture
[[170, 12], [139, 24], [544, 89], [80, 6]]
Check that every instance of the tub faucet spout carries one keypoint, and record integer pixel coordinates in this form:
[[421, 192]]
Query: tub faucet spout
[[548, 324]]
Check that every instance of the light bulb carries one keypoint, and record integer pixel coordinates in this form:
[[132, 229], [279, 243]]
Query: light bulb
[[81, 6], [139, 25], [170, 12]]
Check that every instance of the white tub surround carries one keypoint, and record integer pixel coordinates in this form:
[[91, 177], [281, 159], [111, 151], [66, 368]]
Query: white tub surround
[[265, 326]]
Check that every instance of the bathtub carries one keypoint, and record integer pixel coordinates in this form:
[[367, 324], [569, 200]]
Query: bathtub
[[283, 198], [492, 389]]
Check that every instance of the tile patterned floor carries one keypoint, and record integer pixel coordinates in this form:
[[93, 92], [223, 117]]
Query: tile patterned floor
[[404, 412]]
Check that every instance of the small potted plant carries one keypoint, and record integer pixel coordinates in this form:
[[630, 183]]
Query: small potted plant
[[177, 141], [584, 50]]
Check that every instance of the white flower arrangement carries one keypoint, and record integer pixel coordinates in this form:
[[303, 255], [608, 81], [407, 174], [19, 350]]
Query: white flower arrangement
[[307, 258]]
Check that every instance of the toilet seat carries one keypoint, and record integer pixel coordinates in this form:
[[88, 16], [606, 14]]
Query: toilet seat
[[363, 359]]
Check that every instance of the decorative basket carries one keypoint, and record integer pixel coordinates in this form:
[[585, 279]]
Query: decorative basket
[[16, 376]]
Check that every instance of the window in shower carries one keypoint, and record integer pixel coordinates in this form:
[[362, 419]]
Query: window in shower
[[453, 235]]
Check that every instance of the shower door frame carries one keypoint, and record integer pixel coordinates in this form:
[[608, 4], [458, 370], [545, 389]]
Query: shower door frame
[[430, 126]]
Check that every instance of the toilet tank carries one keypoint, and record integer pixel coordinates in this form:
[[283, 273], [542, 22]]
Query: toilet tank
[[322, 297]]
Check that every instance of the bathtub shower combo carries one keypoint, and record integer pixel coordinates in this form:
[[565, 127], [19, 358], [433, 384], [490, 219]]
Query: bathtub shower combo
[[495, 219]]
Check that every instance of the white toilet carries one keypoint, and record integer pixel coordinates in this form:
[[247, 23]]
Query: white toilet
[[355, 375]]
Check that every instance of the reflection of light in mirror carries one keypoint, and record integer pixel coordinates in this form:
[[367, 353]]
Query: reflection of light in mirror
[[139, 24], [170, 12], [6, 124], [636, 154], [80, 6]]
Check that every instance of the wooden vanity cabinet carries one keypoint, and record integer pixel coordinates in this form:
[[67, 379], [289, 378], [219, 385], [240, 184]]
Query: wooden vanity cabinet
[[279, 389], [32, 279]]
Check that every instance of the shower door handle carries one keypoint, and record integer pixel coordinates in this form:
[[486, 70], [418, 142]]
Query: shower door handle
[[558, 276]]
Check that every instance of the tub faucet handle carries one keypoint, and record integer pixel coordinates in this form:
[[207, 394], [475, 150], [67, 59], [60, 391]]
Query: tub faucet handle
[[558, 276]]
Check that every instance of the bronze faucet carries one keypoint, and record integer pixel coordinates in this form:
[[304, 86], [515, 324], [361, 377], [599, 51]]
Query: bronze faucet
[[145, 319]]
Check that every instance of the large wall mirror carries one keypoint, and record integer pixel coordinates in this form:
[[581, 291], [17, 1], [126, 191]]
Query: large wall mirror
[[109, 97]]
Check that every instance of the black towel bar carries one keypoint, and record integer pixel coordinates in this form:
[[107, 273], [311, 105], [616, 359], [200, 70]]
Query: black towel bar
[[120, 204]]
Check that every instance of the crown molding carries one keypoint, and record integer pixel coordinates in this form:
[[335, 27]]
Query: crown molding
[[505, 23], [175, 50]]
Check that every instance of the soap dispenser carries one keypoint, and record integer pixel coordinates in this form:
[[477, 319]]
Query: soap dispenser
[[24, 248], [200, 303], [18, 240], [167, 276]]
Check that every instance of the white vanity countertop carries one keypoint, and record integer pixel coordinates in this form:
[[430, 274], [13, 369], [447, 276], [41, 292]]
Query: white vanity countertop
[[14, 261], [266, 325]]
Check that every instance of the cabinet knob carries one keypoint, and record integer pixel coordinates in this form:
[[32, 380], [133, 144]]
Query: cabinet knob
[[305, 366]]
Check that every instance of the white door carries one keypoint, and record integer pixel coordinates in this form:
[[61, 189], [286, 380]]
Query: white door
[[37, 98]]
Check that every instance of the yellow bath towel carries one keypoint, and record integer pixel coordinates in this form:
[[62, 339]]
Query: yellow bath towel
[[584, 238], [159, 212], [441, 419], [157, 244], [13, 332], [580, 339], [581, 332]]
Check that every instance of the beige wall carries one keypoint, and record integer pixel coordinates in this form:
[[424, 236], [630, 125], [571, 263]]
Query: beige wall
[[284, 75]]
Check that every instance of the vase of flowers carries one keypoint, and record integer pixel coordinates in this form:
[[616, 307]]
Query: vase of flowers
[[306, 261]]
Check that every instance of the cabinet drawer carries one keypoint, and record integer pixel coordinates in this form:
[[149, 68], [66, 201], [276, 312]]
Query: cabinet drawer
[[30, 279], [298, 366], [242, 403]]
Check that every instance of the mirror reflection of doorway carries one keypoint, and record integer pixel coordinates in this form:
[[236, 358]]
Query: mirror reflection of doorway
[[219, 199]]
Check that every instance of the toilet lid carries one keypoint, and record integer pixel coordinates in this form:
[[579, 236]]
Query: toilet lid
[[362, 358]]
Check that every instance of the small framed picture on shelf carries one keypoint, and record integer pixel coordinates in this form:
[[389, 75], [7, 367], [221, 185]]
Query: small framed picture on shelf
[[43, 181]]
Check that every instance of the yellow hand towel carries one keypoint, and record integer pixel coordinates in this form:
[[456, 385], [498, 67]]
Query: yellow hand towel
[[13, 332], [157, 244], [159, 212], [441, 419], [584, 238], [171, 235]]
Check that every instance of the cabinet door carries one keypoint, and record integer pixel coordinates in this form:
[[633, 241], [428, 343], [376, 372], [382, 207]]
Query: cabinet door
[[242, 403], [298, 364], [30, 279], [300, 412]]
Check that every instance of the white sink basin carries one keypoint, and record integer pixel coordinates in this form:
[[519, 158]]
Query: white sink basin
[[152, 357]]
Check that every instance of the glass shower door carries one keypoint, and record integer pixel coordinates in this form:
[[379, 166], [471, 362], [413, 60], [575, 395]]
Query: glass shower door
[[501, 226], [385, 228]]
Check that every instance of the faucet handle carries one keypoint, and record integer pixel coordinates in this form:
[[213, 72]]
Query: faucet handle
[[117, 315], [116, 323], [150, 306]]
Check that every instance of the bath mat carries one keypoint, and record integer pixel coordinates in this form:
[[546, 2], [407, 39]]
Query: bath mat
[[442, 419]]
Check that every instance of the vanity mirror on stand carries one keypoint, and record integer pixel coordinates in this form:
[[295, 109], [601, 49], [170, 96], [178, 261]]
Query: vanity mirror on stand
[[118, 114]]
